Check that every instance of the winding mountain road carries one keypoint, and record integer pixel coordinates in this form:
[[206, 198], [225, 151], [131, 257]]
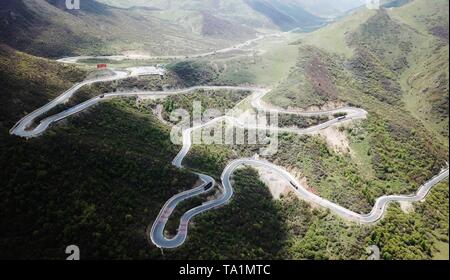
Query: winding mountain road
[[157, 236]]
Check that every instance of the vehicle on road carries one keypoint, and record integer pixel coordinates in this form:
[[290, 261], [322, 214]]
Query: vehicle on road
[[294, 185], [208, 186]]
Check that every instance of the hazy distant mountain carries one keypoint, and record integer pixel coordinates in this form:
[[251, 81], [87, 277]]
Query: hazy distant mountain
[[47, 28], [330, 8], [319, 8], [269, 14]]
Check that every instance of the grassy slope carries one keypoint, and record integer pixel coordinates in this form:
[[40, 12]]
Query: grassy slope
[[332, 38], [264, 70], [425, 82], [417, 41], [309, 83], [286, 16]]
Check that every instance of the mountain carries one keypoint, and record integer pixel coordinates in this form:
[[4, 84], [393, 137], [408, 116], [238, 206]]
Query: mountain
[[319, 8], [267, 14], [330, 9], [47, 28], [408, 44], [392, 62], [285, 15]]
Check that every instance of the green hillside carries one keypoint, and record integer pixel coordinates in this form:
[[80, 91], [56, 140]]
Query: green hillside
[[397, 56], [394, 64]]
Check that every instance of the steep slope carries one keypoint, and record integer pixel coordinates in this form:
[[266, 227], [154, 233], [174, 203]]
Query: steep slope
[[406, 49], [46, 28], [388, 40], [326, 8], [28, 82], [426, 80], [286, 15], [214, 27], [207, 24]]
